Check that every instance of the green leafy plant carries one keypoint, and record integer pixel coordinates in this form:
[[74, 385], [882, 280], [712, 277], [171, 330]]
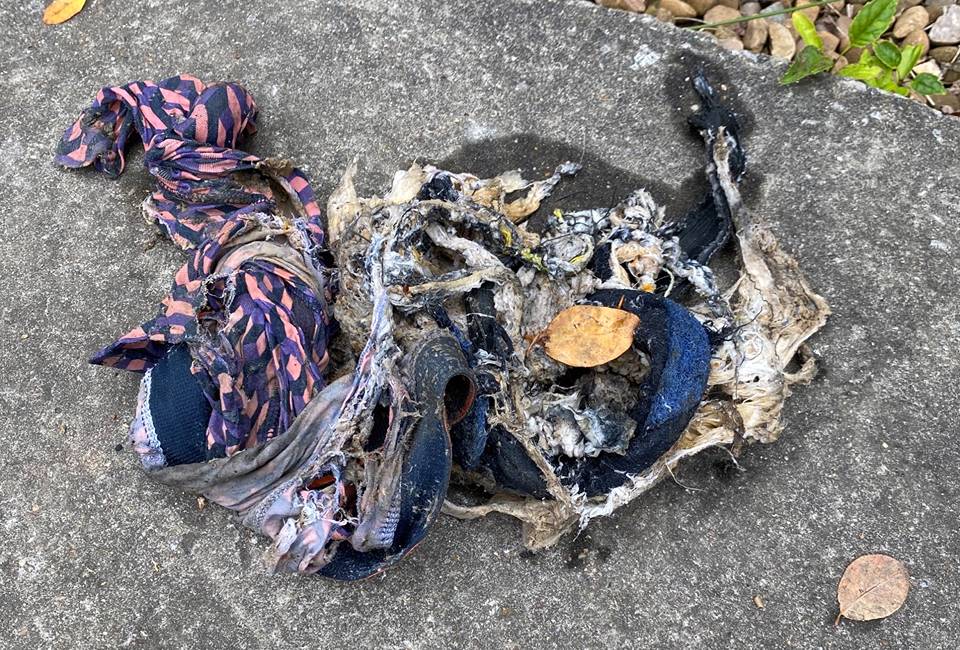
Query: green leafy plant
[[811, 59], [882, 64]]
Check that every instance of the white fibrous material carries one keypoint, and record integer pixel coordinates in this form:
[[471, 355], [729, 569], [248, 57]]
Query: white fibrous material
[[406, 253]]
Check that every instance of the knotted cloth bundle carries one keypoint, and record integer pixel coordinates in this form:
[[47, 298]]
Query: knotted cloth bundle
[[233, 404], [443, 293], [252, 303]]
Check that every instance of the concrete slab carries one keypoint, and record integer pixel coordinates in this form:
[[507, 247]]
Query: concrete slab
[[862, 187]]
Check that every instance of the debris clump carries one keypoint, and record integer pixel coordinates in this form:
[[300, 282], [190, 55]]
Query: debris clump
[[563, 369], [565, 435]]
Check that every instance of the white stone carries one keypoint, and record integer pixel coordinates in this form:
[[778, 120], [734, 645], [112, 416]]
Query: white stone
[[946, 31]]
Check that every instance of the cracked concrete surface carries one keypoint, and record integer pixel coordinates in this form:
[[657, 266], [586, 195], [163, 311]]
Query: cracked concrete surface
[[861, 187]]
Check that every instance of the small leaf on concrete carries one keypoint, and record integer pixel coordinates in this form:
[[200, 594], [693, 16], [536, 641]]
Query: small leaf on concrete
[[585, 336], [873, 586], [60, 11]]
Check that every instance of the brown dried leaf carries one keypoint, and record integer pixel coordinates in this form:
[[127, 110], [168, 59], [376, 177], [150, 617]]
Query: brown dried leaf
[[873, 586], [585, 336], [60, 11]]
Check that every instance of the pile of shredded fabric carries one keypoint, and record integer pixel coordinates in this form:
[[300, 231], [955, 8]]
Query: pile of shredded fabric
[[563, 370]]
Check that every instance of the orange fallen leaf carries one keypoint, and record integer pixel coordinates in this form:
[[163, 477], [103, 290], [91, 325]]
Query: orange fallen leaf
[[873, 586], [585, 336], [60, 11]]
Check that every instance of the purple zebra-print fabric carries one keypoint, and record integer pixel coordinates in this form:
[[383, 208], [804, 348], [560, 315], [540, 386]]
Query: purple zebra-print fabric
[[252, 302]]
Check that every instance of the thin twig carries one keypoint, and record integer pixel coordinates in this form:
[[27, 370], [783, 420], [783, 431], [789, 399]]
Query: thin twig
[[779, 12]]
